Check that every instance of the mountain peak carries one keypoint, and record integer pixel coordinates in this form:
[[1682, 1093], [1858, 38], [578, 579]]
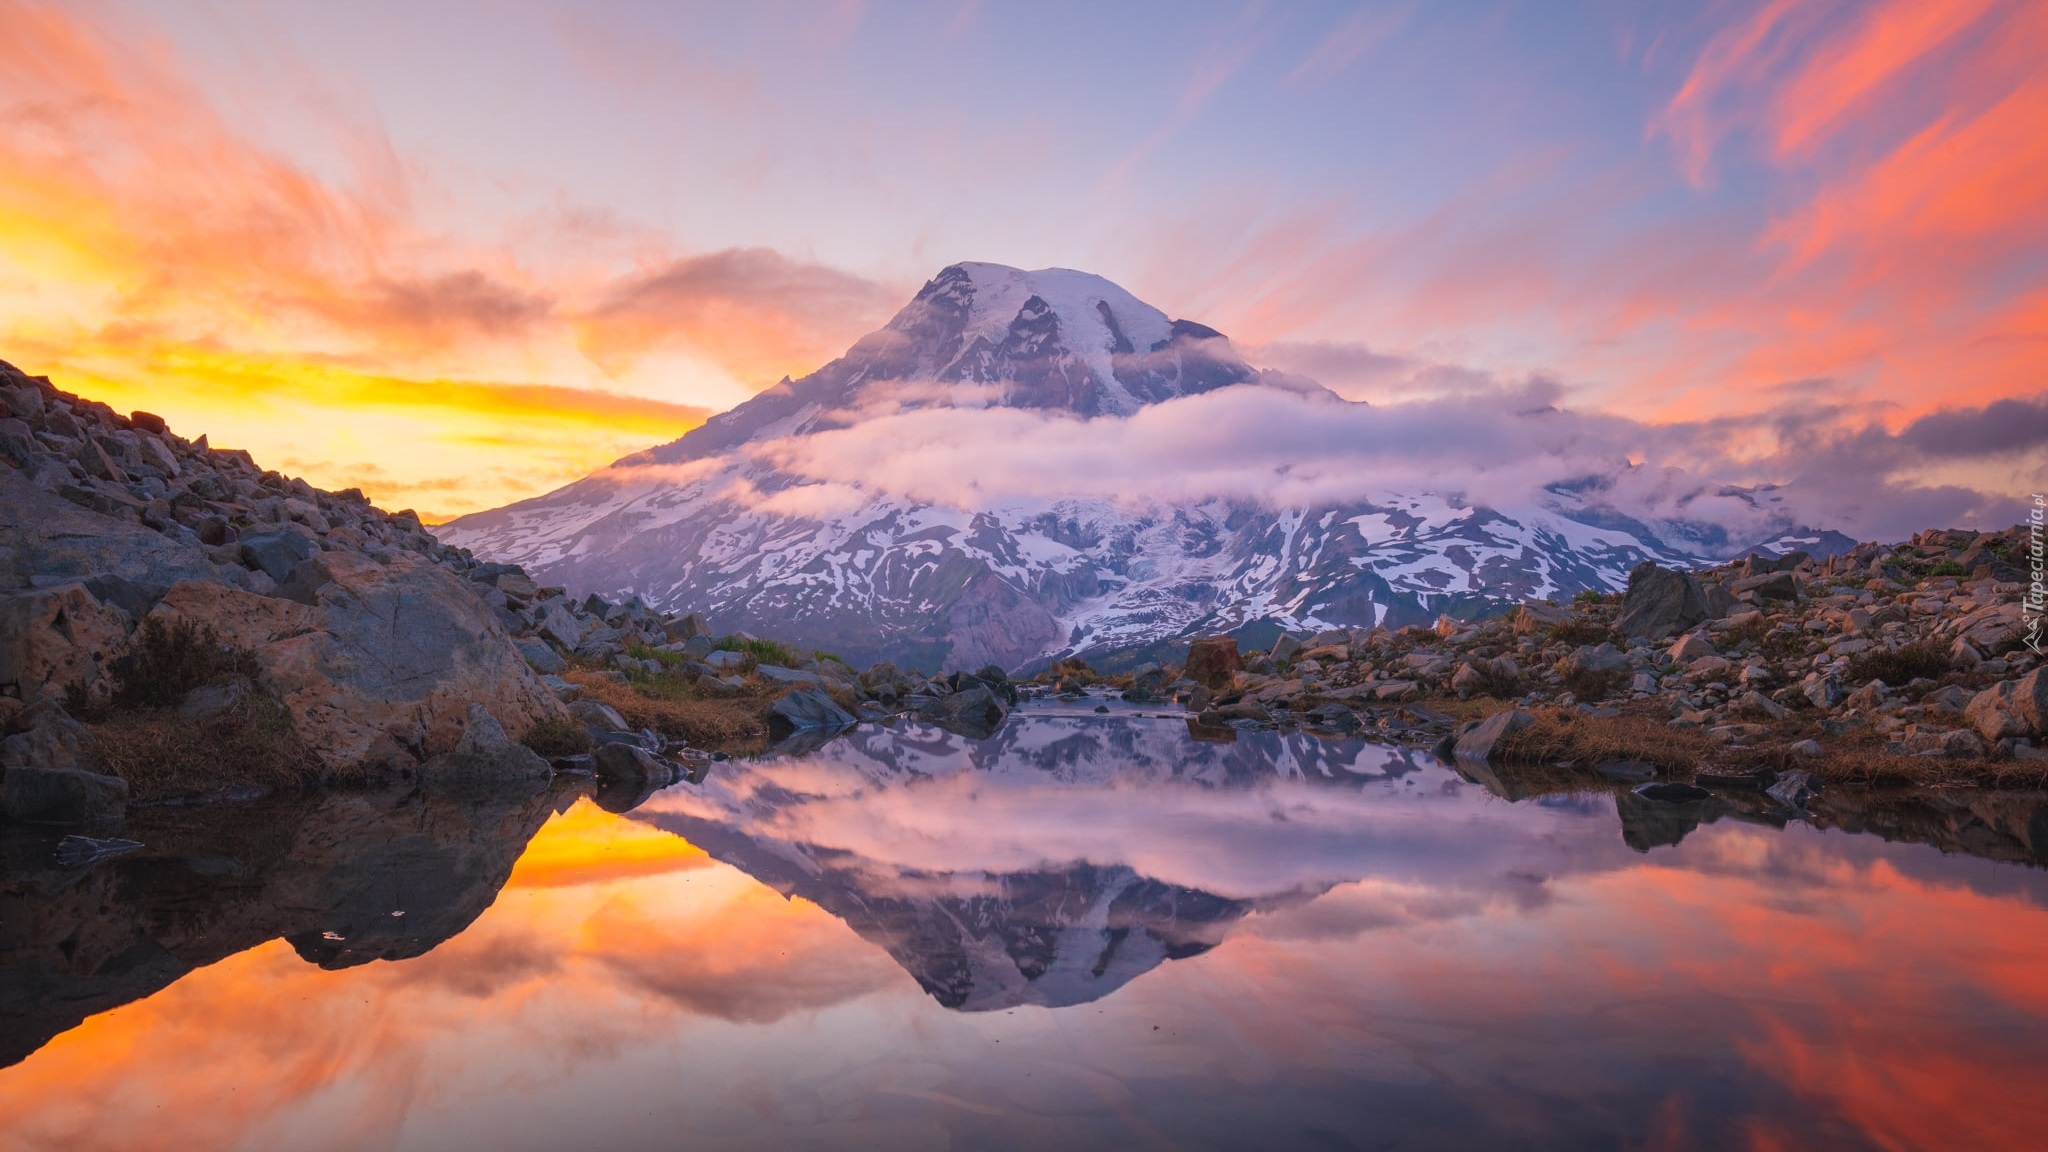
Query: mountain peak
[[1053, 339]]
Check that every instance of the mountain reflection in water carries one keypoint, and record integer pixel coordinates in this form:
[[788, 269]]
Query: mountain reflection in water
[[1114, 934]]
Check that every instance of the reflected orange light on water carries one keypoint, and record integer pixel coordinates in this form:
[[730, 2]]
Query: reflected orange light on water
[[620, 955]]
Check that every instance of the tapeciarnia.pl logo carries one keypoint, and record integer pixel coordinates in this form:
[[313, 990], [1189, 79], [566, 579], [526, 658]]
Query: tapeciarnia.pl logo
[[2036, 599]]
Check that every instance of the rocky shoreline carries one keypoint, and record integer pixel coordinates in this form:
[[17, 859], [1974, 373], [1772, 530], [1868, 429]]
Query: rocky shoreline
[[176, 621]]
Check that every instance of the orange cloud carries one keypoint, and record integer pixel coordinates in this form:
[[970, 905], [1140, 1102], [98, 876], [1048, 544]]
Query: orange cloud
[[153, 256]]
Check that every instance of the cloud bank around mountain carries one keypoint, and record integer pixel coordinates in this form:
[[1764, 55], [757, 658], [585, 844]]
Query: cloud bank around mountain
[[1806, 461]]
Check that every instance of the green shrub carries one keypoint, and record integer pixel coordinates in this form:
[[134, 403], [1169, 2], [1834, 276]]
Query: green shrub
[[1948, 568], [164, 661], [1591, 596], [666, 659], [763, 651]]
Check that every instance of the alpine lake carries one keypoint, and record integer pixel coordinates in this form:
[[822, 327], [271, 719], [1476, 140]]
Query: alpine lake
[[1085, 931]]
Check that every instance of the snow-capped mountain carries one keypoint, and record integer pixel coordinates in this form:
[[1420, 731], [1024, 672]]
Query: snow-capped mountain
[[716, 522]]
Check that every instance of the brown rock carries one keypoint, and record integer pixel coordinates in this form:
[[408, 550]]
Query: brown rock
[[1212, 661], [53, 637], [2013, 708]]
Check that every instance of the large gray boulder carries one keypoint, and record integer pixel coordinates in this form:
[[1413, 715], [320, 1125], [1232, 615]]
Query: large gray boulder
[[2012, 708], [1660, 603], [389, 656]]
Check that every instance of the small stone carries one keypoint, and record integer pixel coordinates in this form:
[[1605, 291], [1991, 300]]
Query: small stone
[[1807, 748]]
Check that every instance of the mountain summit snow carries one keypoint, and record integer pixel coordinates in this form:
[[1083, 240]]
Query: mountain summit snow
[[727, 522]]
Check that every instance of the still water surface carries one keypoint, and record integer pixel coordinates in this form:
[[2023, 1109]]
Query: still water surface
[[1084, 932]]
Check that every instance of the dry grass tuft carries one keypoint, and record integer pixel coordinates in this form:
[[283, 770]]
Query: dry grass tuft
[[249, 746], [1563, 734], [670, 705]]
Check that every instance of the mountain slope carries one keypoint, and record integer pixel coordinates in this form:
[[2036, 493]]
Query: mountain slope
[[715, 522]]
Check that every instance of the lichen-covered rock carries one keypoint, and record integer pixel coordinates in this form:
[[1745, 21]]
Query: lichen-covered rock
[[387, 657]]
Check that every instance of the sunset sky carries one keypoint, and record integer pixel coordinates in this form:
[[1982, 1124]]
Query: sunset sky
[[461, 253]]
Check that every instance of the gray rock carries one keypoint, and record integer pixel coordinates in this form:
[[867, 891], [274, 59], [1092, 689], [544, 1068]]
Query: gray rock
[[1807, 748], [1826, 692], [698, 647], [687, 628], [276, 554], [485, 757], [781, 675], [1771, 586], [1671, 792], [633, 764], [1285, 648], [47, 737], [1660, 603], [725, 660], [42, 794], [977, 709], [1595, 658], [1753, 701], [1791, 789], [210, 700], [596, 716], [1479, 741], [540, 657], [807, 708], [561, 627]]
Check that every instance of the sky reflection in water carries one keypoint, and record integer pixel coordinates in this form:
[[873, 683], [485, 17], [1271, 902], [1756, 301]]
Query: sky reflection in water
[[1276, 942]]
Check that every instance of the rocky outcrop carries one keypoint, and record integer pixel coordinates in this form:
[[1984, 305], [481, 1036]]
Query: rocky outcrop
[[378, 640], [383, 663]]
